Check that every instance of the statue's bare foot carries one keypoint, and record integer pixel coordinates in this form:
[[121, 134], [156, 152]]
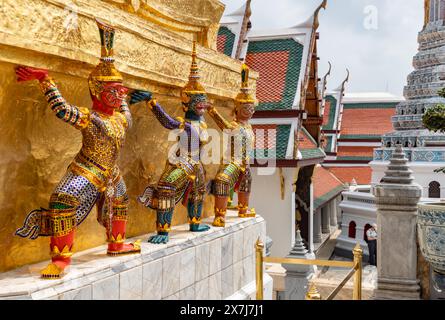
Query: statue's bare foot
[[199, 227], [158, 239]]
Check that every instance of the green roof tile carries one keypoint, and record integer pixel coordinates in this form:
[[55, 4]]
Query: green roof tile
[[230, 40], [388, 105], [332, 109], [282, 141]]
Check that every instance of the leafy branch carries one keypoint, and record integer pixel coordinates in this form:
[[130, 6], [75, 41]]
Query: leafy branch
[[434, 118]]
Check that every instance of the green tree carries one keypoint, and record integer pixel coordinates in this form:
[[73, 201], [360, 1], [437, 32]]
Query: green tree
[[434, 118]]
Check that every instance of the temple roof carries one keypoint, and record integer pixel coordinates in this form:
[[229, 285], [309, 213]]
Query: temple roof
[[326, 186], [225, 41], [308, 147], [283, 58], [355, 153], [279, 62], [329, 113], [366, 120], [362, 175], [272, 140], [371, 97]]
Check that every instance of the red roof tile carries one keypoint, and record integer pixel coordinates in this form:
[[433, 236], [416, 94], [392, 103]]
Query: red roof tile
[[267, 138], [367, 121], [221, 43], [272, 67], [362, 175], [304, 142], [327, 110], [324, 182], [355, 151]]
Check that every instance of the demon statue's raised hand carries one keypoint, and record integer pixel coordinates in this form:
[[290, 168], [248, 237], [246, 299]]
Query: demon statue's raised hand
[[234, 173], [184, 176], [93, 176]]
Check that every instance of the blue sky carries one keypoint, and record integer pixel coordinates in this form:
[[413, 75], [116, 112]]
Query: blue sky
[[379, 58]]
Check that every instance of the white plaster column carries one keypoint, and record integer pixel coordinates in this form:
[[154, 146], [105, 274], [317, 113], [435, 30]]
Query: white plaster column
[[333, 212], [311, 219], [317, 226], [339, 210], [396, 199], [325, 224]]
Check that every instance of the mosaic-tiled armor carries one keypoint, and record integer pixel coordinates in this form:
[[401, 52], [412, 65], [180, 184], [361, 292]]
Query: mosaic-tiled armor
[[235, 173], [183, 178], [93, 177]]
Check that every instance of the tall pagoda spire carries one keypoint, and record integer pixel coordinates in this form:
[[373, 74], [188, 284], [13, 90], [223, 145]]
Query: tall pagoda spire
[[427, 7], [434, 12]]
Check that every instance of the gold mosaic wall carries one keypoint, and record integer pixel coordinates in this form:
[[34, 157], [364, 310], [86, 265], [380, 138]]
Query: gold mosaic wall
[[36, 147]]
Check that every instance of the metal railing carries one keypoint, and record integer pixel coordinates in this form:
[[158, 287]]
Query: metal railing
[[356, 271]]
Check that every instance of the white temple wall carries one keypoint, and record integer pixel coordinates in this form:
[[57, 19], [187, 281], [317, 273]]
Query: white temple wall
[[360, 208], [279, 213], [423, 173]]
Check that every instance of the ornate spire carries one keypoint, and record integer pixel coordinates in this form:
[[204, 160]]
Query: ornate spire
[[193, 86], [398, 171], [244, 96], [194, 69], [105, 71], [298, 249], [427, 7]]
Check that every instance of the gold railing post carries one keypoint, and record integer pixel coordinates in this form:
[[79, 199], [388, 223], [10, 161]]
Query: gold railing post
[[358, 255], [259, 246]]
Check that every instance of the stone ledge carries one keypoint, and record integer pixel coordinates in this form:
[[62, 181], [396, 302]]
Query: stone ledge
[[212, 265]]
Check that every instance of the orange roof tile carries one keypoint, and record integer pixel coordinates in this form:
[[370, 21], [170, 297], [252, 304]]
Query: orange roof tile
[[272, 67], [221, 43], [373, 121], [325, 182], [355, 151], [362, 175], [327, 110], [304, 142]]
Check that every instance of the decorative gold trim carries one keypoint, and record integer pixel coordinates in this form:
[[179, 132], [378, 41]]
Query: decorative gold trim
[[219, 222], [91, 177], [118, 240], [58, 223], [195, 220], [163, 228], [65, 253]]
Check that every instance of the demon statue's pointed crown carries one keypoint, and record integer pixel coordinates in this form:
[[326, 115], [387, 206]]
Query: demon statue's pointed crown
[[193, 87], [244, 96], [105, 71]]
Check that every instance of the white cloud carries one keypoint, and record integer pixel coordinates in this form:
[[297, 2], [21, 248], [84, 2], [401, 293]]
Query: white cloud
[[378, 59]]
